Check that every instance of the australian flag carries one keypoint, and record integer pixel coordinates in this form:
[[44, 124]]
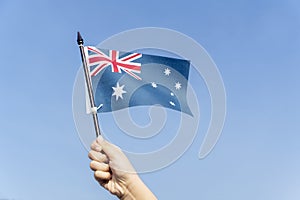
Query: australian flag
[[123, 79]]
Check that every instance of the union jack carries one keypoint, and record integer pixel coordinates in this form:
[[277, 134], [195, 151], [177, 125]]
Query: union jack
[[118, 64]]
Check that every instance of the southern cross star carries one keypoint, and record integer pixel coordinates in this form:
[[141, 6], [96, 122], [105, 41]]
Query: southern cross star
[[167, 72], [153, 84], [172, 103], [177, 86]]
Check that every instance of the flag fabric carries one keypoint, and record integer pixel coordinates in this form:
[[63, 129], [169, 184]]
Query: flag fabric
[[123, 79]]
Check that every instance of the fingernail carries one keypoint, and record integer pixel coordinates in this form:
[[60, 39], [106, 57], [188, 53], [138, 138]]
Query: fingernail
[[100, 138], [98, 148]]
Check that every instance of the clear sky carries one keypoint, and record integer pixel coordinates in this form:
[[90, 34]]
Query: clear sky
[[255, 44]]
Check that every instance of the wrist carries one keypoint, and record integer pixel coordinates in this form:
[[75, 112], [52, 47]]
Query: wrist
[[137, 190], [133, 184]]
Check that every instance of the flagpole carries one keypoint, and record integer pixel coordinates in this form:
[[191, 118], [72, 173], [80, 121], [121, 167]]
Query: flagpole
[[88, 84]]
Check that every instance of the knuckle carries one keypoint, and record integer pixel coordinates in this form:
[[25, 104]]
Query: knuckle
[[96, 175], [93, 144], [90, 155], [103, 158], [93, 165], [105, 167]]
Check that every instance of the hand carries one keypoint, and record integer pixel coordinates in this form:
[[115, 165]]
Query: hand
[[114, 172], [111, 166]]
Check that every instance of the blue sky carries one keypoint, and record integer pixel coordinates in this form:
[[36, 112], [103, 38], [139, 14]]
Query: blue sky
[[255, 45]]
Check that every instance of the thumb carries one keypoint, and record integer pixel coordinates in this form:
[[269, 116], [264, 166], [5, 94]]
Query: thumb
[[111, 150]]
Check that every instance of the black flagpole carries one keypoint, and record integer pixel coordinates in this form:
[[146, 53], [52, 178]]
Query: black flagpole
[[88, 84]]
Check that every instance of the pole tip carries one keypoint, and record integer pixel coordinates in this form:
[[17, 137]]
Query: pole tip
[[79, 39]]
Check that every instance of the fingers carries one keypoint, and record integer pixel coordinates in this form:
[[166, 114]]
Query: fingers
[[99, 163], [102, 176], [109, 149], [96, 153], [102, 171], [96, 146], [97, 166], [97, 156]]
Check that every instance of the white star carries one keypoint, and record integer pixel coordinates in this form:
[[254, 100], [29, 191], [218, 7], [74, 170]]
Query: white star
[[177, 86], [118, 91], [167, 72], [172, 103], [153, 84], [172, 94]]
